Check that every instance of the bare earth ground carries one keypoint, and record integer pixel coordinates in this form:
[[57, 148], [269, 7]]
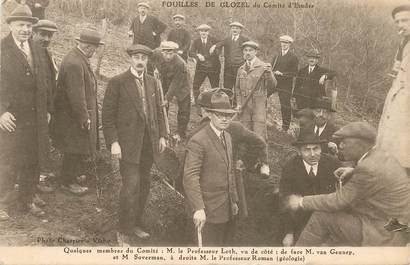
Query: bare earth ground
[[84, 220]]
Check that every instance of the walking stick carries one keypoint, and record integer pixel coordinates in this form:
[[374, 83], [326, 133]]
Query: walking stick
[[164, 108], [222, 72], [199, 237]]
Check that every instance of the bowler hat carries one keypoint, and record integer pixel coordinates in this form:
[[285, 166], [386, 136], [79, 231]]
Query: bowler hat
[[308, 138], [358, 129], [144, 4], [324, 103], [45, 25], [286, 38], [21, 13], [203, 27], [236, 24], [138, 48], [90, 36], [169, 45], [313, 53], [400, 9], [178, 16], [215, 100], [251, 44]]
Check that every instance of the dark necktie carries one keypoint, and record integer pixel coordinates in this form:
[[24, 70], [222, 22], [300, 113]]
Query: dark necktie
[[140, 87], [311, 173], [247, 67], [222, 137]]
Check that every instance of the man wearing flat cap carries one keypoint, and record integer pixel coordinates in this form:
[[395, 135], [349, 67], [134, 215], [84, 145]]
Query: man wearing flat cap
[[310, 81], [394, 126], [308, 173], [146, 29], [355, 215], [285, 68], [23, 113], [134, 131], [175, 82], [208, 180], [207, 65], [75, 121], [180, 36], [255, 81], [233, 55]]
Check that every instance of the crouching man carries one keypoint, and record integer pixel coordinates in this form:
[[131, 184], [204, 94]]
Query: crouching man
[[134, 129]]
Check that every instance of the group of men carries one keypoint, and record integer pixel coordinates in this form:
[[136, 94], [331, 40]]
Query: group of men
[[356, 208]]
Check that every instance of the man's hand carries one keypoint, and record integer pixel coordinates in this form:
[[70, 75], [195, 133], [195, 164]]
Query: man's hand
[[342, 172], [288, 240], [86, 125], [199, 219], [265, 171], [212, 49], [267, 67], [333, 147], [278, 72], [294, 202], [322, 79], [162, 144], [48, 117], [115, 150], [130, 33], [154, 34], [7, 122], [37, 5], [180, 51], [235, 209], [200, 57], [165, 103]]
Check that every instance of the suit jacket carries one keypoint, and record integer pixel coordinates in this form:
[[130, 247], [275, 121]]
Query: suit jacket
[[123, 116], [288, 65], [307, 87], [182, 38], [23, 93], [232, 55], [295, 180], [327, 134], [174, 76], [208, 180], [211, 62], [378, 190], [75, 102], [143, 32], [394, 125]]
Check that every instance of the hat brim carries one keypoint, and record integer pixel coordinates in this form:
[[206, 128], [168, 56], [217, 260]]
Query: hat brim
[[299, 143], [229, 111], [21, 18], [89, 42]]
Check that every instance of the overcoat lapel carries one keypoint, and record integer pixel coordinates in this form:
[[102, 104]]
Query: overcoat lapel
[[218, 144], [18, 53], [133, 92]]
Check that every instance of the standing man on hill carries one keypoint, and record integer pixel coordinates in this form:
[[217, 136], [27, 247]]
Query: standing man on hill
[[180, 36], [394, 126], [285, 68], [146, 29]]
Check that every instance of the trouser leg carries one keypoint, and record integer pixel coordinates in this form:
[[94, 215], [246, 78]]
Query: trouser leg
[[184, 111], [199, 78], [8, 194], [338, 228], [230, 76], [73, 166], [285, 108], [27, 179], [213, 78]]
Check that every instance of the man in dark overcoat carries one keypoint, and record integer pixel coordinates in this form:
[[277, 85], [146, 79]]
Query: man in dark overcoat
[[310, 81], [23, 113], [180, 36], [285, 68], [209, 182], [146, 29], [308, 173], [207, 65], [134, 130], [75, 119]]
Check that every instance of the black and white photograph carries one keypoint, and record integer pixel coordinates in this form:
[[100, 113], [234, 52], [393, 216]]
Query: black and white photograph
[[205, 131]]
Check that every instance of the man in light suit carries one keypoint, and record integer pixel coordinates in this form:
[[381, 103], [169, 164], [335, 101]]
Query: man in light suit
[[355, 215], [208, 180], [134, 130], [394, 126]]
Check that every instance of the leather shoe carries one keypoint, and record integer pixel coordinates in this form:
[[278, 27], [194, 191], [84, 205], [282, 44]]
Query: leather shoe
[[38, 201], [140, 233], [34, 210], [4, 216], [75, 189]]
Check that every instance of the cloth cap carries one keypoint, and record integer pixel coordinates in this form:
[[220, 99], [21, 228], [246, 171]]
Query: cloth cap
[[313, 53], [308, 138], [236, 24], [169, 45], [203, 27], [324, 103], [251, 44], [359, 129], [178, 16], [144, 4], [286, 38], [90, 36], [21, 13], [45, 25], [400, 9], [138, 48], [215, 100]]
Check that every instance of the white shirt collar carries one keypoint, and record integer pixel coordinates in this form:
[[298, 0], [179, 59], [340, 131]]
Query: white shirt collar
[[307, 167], [142, 18], [365, 155], [311, 68], [135, 73], [284, 52], [251, 62], [25, 44], [204, 40], [217, 132], [235, 38], [320, 129]]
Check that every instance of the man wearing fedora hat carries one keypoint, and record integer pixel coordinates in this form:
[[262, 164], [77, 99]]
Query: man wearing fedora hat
[[255, 80], [181, 36], [310, 81], [233, 55], [208, 180], [308, 173], [146, 29], [23, 112], [207, 65], [357, 213], [75, 120], [285, 68], [134, 130]]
